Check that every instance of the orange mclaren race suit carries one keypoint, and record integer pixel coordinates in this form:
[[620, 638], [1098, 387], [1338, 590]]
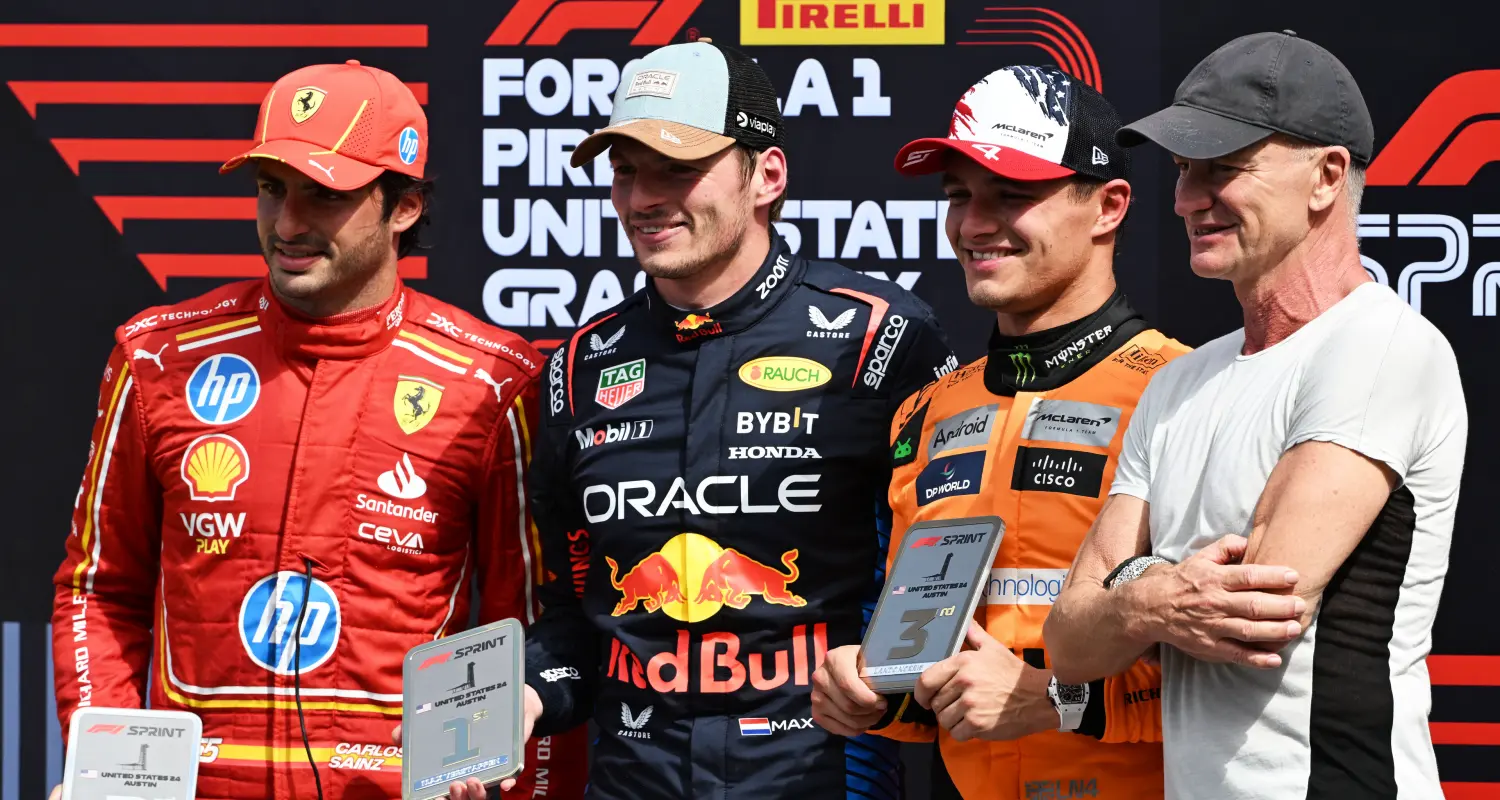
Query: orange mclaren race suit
[[259, 480], [1031, 433]]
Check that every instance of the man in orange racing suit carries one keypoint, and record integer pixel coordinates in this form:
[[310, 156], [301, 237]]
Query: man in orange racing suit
[[1037, 190], [296, 479]]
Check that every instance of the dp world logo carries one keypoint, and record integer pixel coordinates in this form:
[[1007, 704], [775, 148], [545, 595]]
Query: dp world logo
[[223, 389], [408, 144], [268, 621]]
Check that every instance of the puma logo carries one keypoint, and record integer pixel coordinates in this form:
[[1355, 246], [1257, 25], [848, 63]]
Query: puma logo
[[487, 378], [326, 170], [156, 357]]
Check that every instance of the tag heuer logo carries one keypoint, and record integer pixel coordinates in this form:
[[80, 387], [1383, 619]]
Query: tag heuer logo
[[306, 102], [620, 383]]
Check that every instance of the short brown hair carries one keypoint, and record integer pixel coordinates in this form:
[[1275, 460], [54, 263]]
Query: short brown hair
[[394, 186], [748, 156]]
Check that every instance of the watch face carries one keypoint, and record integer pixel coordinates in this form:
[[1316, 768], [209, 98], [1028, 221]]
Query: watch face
[[1072, 693]]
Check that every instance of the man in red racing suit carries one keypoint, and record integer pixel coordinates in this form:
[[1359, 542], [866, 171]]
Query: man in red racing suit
[[253, 466]]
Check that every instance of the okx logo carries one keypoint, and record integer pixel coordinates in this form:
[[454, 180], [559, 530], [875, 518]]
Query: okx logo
[[546, 22], [950, 476], [269, 621]]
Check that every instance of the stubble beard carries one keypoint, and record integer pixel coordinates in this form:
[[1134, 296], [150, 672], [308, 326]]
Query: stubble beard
[[721, 237]]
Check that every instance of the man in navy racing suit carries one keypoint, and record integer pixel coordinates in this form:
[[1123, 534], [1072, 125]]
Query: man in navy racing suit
[[709, 476]]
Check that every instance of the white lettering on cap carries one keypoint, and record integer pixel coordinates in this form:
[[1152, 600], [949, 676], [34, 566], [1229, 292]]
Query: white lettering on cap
[[654, 83]]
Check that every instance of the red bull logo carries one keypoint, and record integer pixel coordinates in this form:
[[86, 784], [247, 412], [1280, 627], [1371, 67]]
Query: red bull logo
[[714, 576], [722, 667], [695, 325], [689, 579], [653, 582], [693, 322]]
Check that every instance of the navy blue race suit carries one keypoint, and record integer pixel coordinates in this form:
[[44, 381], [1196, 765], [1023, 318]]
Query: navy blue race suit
[[709, 489]]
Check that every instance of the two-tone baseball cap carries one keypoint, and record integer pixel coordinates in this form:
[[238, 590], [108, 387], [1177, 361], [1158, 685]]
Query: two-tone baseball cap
[[1255, 86], [689, 101], [341, 125], [1027, 123]]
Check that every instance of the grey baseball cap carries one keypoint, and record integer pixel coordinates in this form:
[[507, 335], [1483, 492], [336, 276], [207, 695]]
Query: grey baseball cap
[[1253, 87], [689, 101]]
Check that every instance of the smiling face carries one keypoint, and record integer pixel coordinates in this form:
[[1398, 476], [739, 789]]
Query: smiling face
[[680, 216], [319, 242], [1245, 211], [1021, 243]]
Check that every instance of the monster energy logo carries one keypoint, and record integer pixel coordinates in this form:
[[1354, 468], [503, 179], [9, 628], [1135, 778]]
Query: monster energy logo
[[1025, 371]]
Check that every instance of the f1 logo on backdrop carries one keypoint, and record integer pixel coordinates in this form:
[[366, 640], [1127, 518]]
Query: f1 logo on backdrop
[[1450, 136], [546, 22]]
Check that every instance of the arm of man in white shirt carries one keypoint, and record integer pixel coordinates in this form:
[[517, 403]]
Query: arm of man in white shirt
[[1209, 606], [1317, 505]]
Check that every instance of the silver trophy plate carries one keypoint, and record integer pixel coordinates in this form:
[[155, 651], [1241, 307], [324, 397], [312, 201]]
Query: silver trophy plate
[[929, 598], [461, 710], [132, 753]]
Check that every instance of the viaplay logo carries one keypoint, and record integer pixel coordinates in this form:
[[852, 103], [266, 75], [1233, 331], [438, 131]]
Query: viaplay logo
[[1446, 141]]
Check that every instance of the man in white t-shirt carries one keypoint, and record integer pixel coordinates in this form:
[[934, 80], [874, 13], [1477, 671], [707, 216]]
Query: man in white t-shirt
[[1329, 433]]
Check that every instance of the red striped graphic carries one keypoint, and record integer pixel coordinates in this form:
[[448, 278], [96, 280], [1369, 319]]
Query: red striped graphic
[[1464, 670], [119, 209], [1481, 733], [1471, 791], [77, 151], [1061, 39], [156, 93], [174, 265], [133, 35]]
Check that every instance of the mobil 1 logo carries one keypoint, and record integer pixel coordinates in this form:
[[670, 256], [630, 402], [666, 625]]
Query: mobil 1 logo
[[132, 753], [1047, 469], [461, 709], [930, 594]]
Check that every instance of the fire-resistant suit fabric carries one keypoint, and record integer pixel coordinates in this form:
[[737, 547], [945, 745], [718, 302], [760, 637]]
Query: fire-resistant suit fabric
[[239, 449], [709, 487], [1031, 433]]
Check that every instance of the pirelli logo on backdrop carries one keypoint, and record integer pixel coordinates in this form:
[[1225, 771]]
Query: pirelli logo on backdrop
[[832, 22]]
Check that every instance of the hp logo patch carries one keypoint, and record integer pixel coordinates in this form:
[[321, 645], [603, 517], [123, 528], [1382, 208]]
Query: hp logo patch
[[223, 389], [409, 142], [269, 613]]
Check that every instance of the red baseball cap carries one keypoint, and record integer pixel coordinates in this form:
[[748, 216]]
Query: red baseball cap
[[1027, 123], [341, 125]]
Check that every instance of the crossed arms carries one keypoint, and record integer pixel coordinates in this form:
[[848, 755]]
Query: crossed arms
[[1237, 601]]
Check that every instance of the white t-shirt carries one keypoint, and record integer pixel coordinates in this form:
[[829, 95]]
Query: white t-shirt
[[1346, 714]]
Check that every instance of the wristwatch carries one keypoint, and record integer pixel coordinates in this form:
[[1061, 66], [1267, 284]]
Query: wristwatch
[[1130, 569], [1070, 699]]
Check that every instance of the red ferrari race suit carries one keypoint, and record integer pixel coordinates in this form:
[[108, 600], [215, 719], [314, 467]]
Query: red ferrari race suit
[[245, 459]]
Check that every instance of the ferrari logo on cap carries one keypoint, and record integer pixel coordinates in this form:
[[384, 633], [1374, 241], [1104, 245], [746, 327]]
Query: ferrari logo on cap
[[306, 102], [416, 402]]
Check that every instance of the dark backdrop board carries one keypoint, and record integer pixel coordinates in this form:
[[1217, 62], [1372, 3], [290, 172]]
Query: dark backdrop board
[[113, 136]]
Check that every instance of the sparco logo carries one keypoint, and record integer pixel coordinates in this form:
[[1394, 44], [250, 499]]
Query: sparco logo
[[614, 432], [1018, 129], [555, 381], [884, 349], [763, 289]]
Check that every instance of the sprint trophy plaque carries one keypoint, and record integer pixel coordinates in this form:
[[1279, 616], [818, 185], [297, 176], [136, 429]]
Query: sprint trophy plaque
[[461, 710], [132, 753], [929, 598]]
